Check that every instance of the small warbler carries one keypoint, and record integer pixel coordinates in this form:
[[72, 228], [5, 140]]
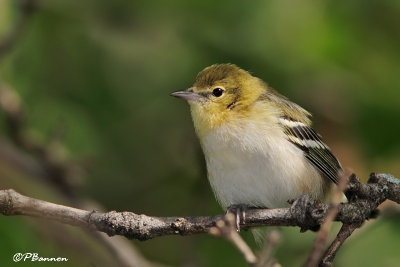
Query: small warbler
[[259, 147]]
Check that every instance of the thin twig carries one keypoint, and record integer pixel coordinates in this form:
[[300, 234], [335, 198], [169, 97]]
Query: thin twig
[[226, 228], [272, 239], [323, 233], [344, 233]]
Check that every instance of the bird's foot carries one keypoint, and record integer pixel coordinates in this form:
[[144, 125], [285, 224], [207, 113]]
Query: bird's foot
[[239, 210]]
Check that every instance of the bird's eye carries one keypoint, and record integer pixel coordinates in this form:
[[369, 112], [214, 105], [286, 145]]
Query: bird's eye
[[217, 92]]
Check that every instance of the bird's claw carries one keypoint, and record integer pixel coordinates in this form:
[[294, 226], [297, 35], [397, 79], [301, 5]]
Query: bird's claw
[[240, 214]]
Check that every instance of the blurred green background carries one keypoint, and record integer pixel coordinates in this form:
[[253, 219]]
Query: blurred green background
[[96, 76]]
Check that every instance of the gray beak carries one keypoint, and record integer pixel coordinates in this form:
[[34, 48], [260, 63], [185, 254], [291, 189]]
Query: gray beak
[[187, 95]]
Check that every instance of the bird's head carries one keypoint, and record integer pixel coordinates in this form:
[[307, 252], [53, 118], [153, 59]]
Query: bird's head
[[220, 93]]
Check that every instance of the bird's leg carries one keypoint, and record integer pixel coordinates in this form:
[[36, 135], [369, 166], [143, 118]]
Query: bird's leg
[[239, 210]]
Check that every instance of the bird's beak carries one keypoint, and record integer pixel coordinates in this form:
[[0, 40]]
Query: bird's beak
[[187, 95]]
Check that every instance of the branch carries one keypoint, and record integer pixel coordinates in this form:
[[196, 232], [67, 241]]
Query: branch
[[226, 228], [323, 233], [304, 212], [272, 239], [344, 233]]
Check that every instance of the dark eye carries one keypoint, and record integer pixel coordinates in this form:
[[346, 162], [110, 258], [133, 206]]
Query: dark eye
[[217, 92]]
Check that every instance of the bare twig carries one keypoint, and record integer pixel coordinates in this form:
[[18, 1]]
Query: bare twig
[[323, 233], [344, 233], [272, 239], [226, 228], [305, 213], [125, 254]]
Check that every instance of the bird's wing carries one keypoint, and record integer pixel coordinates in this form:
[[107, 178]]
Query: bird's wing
[[297, 127], [319, 154]]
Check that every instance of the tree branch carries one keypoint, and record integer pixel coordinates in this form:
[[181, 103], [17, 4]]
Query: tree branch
[[271, 240], [304, 212], [344, 233], [226, 228], [323, 233]]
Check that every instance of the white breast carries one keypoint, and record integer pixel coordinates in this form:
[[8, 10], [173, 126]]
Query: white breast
[[252, 163]]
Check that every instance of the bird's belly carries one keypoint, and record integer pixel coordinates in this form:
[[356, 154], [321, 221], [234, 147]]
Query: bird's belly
[[266, 177]]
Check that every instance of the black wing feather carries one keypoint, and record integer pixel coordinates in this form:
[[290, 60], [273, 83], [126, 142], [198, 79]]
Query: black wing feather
[[319, 154]]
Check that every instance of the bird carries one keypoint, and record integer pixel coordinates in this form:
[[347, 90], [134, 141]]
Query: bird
[[260, 148]]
